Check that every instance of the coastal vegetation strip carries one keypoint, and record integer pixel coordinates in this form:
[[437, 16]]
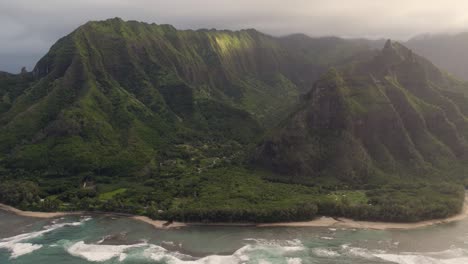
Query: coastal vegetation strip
[[317, 222], [236, 195]]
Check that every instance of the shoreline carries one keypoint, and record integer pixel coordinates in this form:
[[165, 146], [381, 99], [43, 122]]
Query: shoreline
[[19, 212], [323, 221], [156, 223], [342, 222]]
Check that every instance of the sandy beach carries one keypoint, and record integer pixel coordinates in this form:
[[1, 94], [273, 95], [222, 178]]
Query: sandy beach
[[10, 209], [319, 222], [349, 223], [155, 223]]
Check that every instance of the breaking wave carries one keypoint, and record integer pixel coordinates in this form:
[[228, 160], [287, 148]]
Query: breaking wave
[[451, 256], [98, 252], [257, 250], [17, 247], [261, 251]]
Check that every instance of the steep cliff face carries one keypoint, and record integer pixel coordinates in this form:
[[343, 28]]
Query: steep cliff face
[[155, 62], [388, 115], [140, 90], [113, 97]]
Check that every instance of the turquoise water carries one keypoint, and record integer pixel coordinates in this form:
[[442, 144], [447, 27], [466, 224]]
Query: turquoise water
[[105, 239]]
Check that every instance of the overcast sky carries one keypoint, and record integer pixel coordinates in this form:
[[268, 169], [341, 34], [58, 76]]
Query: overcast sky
[[29, 27]]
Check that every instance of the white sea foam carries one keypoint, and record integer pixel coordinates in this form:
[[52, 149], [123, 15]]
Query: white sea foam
[[420, 259], [450, 256], [122, 257], [278, 248], [325, 253], [98, 252], [407, 259], [359, 252], [294, 261], [275, 249], [160, 254], [449, 253], [16, 244], [280, 245], [170, 243], [19, 249]]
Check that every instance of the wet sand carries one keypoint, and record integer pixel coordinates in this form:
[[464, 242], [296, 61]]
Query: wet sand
[[159, 223]]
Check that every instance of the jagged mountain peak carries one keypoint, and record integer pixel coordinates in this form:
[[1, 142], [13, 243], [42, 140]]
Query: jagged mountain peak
[[388, 115], [394, 53]]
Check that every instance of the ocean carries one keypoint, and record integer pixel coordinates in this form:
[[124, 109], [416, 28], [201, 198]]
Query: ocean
[[108, 239]]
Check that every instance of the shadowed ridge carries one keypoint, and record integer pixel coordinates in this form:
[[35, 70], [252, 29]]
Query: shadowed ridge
[[377, 117]]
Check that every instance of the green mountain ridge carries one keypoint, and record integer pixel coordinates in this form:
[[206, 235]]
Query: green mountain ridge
[[112, 82], [394, 114], [212, 125]]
